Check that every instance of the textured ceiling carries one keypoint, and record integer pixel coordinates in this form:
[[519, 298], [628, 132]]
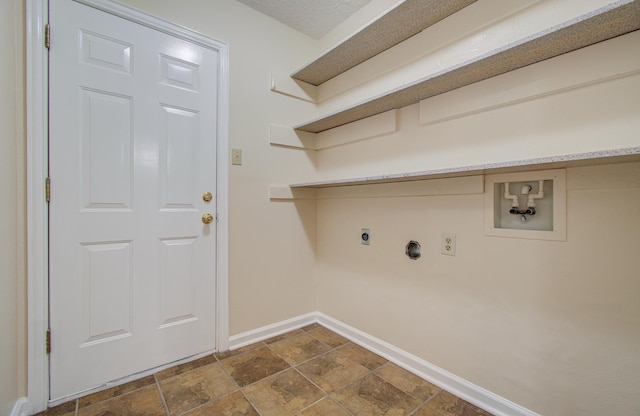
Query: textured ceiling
[[312, 17]]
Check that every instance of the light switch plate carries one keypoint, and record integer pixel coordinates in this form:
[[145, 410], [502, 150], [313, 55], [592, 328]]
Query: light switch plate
[[236, 156]]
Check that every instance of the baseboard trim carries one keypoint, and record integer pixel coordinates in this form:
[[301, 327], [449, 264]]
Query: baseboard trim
[[266, 332], [21, 407], [462, 388]]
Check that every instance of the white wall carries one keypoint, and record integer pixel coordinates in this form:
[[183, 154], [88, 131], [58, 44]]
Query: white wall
[[272, 245], [12, 205]]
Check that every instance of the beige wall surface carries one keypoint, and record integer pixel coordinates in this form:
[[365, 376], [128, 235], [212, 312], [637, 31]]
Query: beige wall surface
[[583, 101], [12, 205], [476, 30], [552, 326], [272, 245]]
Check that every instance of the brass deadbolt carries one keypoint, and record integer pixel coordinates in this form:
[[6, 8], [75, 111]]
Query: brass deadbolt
[[207, 197]]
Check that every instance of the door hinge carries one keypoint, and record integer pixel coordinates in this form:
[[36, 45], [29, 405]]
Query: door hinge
[[47, 189], [47, 36], [48, 342]]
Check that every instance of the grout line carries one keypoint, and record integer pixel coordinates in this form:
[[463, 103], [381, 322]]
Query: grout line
[[310, 405], [250, 402], [241, 389], [294, 368], [164, 401], [327, 395], [341, 406]]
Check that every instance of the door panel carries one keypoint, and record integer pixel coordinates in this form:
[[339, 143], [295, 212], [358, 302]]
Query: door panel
[[107, 143], [177, 279], [132, 148], [106, 291], [178, 150], [104, 52]]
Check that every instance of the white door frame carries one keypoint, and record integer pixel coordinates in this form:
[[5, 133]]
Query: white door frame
[[37, 168]]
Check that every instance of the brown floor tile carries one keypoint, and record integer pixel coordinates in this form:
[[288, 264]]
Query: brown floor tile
[[234, 404], [298, 349], [311, 326], [283, 394], [332, 371], [254, 365], [426, 411], [115, 391], [259, 380], [63, 409], [362, 356], [328, 337], [449, 405], [197, 387], [227, 354], [407, 382], [372, 396], [143, 402], [324, 407], [284, 336], [186, 367]]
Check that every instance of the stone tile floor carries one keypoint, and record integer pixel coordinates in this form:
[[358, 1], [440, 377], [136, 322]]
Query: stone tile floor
[[307, 372]]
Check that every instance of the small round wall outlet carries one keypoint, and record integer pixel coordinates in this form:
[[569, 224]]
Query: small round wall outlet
[[365, 236], [412, 250]]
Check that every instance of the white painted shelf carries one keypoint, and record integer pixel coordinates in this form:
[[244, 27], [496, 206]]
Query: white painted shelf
[[580, 159], [613, 20], [396, 25]]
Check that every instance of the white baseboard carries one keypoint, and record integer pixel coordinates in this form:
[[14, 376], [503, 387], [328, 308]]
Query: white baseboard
[[462, 388], [21, 407], [266, 332]]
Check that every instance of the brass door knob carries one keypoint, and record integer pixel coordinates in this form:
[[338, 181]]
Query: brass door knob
[[207, 218]]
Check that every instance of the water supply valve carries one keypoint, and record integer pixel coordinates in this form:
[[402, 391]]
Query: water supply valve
[[524, 190]]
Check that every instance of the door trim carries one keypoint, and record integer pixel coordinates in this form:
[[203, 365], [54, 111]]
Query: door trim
[[37, 168]]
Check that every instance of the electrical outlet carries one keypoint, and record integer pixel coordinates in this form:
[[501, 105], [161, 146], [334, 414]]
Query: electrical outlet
[[448, 244], [365, 236]]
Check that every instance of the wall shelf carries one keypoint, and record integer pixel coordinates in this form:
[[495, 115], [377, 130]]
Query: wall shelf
[[608, 22], [396, 25], [555, 162]]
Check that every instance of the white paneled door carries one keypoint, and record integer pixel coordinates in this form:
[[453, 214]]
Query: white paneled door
[[132, 151]]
